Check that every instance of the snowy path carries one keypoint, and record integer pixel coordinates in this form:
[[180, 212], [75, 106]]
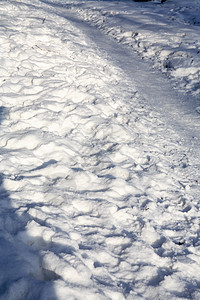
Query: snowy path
[[99, 197], [167, 36], [174, 108]]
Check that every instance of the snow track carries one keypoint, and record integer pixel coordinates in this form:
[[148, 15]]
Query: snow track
[[99, 197]]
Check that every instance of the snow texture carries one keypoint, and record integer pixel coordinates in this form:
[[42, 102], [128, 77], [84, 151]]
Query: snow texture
[[99, 151]]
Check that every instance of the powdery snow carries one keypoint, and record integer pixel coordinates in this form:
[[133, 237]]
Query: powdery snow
[[99, 188]]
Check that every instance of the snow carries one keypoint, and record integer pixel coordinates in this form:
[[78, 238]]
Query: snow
[[99, 144], [159, 33]]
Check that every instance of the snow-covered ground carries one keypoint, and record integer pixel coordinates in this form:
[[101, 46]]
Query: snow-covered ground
[[167, 34], [99, 150]]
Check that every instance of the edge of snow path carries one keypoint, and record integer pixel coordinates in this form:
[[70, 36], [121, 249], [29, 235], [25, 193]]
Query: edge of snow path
[[175, 108]]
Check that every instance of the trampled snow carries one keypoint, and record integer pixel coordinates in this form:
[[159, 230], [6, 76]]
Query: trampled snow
[[99, 150]]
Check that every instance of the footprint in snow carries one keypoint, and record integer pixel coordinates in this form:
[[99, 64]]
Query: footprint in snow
[[198, 109]]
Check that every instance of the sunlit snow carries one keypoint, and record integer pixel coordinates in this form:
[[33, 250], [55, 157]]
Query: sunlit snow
[[100, 144]]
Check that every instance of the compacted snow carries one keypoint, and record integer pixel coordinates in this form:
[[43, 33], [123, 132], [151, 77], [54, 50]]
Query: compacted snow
[[167, 35], [99, 151]]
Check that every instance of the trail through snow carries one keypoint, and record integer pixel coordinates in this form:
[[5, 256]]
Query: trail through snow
[[99, 182]]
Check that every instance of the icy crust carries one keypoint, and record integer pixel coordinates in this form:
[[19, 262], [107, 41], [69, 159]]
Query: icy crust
[[99, 200], [166, 34]]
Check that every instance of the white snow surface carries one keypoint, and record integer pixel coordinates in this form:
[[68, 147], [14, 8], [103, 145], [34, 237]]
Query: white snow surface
[[99, 149]]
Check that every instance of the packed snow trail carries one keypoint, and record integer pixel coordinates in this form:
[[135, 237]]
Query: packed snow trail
[[99, 197], [165, 35], [174, 108]]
